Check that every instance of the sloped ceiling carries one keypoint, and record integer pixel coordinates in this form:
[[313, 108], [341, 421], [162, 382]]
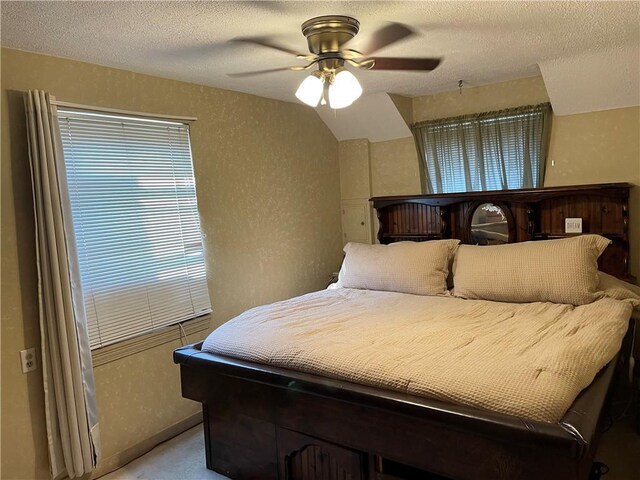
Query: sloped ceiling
[[373, 116], [588, 52], [591, 81]]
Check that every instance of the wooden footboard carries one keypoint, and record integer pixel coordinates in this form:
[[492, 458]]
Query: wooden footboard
[[266, 423]]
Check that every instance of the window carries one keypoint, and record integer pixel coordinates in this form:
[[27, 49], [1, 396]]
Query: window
[[135, 217], [488, 151]]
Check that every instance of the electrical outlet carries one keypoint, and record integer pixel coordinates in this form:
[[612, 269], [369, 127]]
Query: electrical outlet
[[28, 358]]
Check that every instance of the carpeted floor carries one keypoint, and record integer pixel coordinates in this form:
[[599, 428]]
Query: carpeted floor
[[183, 457]]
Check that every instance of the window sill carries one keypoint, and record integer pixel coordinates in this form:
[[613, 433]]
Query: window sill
[[110, 353]]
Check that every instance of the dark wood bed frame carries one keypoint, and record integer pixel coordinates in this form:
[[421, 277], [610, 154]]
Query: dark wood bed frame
[[262, 422]]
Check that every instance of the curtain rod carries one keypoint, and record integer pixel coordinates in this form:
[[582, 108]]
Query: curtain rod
[[122, 112]]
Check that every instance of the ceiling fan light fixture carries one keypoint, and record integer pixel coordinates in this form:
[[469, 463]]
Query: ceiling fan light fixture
[[344, 89], [327, 37], [310, 90]]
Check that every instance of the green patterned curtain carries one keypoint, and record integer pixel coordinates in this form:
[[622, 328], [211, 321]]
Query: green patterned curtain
[[498, 150]]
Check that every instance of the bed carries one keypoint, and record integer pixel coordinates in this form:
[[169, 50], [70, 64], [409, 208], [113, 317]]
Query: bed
[[269, 420]]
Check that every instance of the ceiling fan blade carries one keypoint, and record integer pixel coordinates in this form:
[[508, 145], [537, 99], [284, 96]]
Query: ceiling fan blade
[[390, 63], [266, 42], [387, 35], [295, 68], [261, 72]]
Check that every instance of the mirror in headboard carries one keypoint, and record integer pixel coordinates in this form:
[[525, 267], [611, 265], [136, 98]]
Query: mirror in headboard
[[489, 225], [532, 214]]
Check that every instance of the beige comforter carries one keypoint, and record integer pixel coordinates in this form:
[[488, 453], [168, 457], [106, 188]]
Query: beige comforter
[[529, 360]]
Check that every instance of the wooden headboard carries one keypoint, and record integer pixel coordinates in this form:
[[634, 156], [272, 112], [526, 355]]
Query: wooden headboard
[[532, 214]]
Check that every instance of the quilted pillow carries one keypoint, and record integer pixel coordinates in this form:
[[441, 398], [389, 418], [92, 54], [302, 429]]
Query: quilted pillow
[[420, 268], [558, 271]]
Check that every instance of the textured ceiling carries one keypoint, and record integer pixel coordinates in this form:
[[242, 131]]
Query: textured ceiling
[[481, 42]]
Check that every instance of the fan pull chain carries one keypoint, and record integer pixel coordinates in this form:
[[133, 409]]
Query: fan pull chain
[[460, 82]]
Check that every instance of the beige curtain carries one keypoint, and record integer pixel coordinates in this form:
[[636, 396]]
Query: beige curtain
[[487, 151], [72, 426]]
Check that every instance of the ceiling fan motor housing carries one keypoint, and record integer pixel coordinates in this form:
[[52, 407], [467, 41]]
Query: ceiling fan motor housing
[[328, 33]]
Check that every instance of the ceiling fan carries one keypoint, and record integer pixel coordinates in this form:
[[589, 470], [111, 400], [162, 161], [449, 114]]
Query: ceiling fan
[[328, 37]]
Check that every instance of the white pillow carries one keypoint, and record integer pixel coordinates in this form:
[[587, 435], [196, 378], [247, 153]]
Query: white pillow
[[420, 268], [558, 271]]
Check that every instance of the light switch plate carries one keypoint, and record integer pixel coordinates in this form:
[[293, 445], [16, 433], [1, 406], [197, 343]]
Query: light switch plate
[[573, 225]]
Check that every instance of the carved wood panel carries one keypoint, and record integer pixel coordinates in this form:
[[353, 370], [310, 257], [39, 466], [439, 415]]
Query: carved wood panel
[[598, 213], [301, 457], [412, 219]]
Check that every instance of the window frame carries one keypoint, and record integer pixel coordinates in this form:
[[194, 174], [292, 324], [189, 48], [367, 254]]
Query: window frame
[[180, 329]]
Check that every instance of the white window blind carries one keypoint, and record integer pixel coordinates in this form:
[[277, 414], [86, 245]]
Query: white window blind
[[134, 209]]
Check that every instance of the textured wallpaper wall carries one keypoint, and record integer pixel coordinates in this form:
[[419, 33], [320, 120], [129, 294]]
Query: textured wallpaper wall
[[395, 169], [267, 178], [354, 169], [523, 91]]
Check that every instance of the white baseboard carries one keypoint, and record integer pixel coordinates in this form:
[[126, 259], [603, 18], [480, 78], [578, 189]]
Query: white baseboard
[[120, 459]]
